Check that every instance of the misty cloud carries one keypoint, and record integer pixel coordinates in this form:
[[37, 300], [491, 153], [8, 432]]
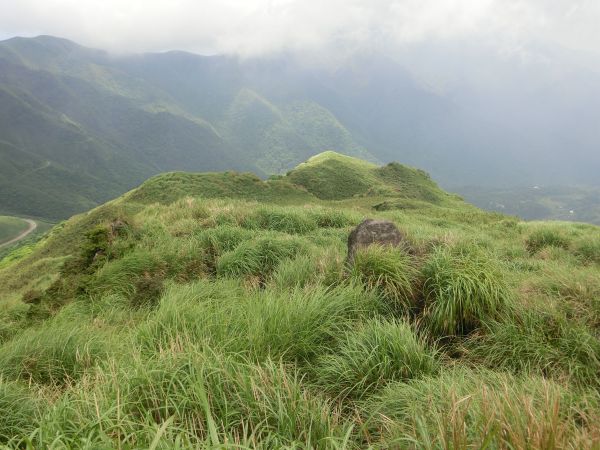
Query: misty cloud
[[255, 27]]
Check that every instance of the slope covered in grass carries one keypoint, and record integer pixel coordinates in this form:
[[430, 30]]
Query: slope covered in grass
[[218, 310], [332, 176]]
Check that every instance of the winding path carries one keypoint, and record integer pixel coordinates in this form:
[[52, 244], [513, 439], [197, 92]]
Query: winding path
[[32, 227]]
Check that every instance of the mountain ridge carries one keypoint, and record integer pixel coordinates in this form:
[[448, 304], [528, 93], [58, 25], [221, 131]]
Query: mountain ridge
[[111, 121]]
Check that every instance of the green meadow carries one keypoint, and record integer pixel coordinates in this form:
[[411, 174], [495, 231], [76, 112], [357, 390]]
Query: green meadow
[[219, 311]]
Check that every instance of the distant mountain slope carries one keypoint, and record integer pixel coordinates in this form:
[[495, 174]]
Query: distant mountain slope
[[93, 125], [91, 131]]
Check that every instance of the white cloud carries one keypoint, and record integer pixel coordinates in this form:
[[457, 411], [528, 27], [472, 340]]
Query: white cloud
[[251, 27]]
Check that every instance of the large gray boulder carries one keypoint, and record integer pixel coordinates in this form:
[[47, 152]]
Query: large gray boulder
[[369, 232]]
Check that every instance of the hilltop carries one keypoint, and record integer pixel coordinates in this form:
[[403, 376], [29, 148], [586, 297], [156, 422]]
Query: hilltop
[[218, 309], [326, 176]]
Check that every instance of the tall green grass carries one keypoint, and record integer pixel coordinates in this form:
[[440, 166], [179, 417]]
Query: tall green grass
[[292, 325], [389, 271], [539, 342], [200, 398], [56, 353], [588, 249], [463, 289], [372, 355], [19, 410], [237, 324], [546, 237], [280, 219], [462, 408], [259, 257]]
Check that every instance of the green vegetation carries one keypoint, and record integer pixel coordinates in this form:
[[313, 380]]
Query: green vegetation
[[375, 354], [331, 176], [463, 288], [219, 310], [389, 271], [11, 227]]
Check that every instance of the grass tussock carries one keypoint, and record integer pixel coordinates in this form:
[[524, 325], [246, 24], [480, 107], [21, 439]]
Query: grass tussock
[[539, 342], [588, 250], [204, 398], [259, 257], [462, 408], [463, 289], [19, 410], [280, 219], [390, 272], [55, 354], [546, 237], [373, 355]]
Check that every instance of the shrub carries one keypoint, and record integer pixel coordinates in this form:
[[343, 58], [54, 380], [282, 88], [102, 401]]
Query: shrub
[[258, 257], [545, 237], [389, 271], [463, 288], [376, 353]]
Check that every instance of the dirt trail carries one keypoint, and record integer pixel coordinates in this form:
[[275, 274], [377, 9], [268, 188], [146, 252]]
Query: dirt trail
[[32, 227]]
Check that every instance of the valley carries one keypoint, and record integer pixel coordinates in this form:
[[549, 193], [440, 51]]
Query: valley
[[578, 204]]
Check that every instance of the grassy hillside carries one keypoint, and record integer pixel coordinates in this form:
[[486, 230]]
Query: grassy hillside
[[11, 227], [218, 310], [331, 176]]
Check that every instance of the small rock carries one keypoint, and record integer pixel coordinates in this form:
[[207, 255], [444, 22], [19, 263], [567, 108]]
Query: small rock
[[368, 232]]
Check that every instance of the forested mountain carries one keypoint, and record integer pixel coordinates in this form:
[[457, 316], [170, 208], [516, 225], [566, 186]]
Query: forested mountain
[[79, 126]]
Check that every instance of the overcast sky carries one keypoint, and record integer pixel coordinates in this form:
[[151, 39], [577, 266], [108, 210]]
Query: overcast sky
[[254, 27]]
